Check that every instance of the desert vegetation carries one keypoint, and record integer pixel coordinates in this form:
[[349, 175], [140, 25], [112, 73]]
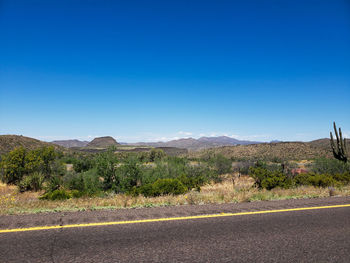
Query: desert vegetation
[[46, 177], [150, 173]]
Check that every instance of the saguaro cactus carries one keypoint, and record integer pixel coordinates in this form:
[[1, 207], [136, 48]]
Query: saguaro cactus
[[339, 149]]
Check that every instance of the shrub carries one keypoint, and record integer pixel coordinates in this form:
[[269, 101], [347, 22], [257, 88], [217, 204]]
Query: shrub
[[129, 175], [83, 164], [202, 173], [13, 166], [191, 182], [168, 186], [33, 161], [269, 180], [57, 195], [87, 183], [32, 182], [330, 166], [54, 183], [343, 178], [318, 180], [222, 164], [161, 187], [106, 168], [77, 194], [48, 155], [156, 155], [20, 162]]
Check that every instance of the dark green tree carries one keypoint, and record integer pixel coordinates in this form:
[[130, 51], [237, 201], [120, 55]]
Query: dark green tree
[[13, 166], [106, 164]]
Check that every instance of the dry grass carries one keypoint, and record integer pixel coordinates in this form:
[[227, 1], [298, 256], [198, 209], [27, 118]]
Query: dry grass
[[12, 202]]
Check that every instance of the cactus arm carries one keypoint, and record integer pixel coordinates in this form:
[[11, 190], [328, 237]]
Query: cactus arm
[[332, 142], [345, 148], [337, 136], [341, 142]]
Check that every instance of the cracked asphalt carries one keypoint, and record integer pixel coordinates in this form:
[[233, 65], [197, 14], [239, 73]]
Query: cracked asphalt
[[297, 236]]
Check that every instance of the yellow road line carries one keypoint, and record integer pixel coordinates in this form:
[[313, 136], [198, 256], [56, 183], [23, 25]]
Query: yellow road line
[[169, 219]]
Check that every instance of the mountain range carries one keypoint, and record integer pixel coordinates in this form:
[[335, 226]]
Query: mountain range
[[210, 146], [187, 143], [198, 144]]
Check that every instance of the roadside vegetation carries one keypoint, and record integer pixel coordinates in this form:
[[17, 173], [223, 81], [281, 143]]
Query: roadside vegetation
[[46, 179]]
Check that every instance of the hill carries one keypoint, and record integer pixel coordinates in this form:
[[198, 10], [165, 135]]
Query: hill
[[71, 143], [9, 142], [102, 142], [198, 144], [272, 151]]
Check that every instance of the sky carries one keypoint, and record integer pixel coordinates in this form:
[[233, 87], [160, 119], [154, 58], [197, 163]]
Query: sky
[[162, 70]]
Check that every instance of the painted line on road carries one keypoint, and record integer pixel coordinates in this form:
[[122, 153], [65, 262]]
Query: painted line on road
[[169, 219]]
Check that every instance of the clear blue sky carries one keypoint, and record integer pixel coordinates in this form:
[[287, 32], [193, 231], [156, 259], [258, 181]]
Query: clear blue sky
[[150, 70]]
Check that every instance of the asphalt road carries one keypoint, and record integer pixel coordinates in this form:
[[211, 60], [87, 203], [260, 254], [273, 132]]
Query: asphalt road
[[319, 235]]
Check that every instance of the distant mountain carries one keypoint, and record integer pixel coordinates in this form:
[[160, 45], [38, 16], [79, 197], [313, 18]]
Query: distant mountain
[[225, 140], [198, 144], [102, 142], [71, 143], [9, 142]]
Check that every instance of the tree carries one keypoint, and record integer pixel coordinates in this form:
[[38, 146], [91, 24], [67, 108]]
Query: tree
[[156, 154], [48, 155], [13, 166], [129, 175], [33, 161], [106, 168], [222, 164]]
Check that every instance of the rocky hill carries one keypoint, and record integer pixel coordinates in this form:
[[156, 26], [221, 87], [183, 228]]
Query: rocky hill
[[102, 142], [71, 143], [273, 151], [9, 142]]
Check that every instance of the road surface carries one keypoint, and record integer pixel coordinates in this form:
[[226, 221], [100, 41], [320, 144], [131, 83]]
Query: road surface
[[280, 231]]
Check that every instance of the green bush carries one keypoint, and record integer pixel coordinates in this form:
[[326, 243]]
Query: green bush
[[268, 180], [202, 173], [32, 182], [317, 180], [20, 162], [161, 187], [191, 182], [12, 166], [168, 186], [58, 194], [343, 178], [77, 194], [330, 166], [87, 183], [129, 175], [106, 164], [222, 164], [54, 183], [33, 161], [83, 164], [156, 155]]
